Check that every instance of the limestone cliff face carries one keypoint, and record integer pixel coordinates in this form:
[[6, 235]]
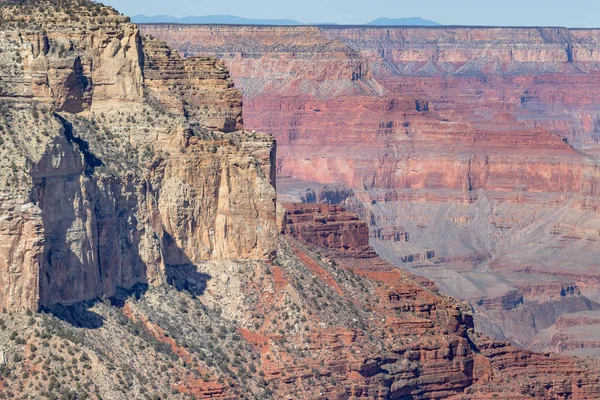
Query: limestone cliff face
[[126, 162], [22, 238], [216, 207], [97, 63]]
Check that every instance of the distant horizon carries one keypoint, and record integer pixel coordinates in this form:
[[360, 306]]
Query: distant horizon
[[492, 13], [358, 26], [330, 24], [236, 20]]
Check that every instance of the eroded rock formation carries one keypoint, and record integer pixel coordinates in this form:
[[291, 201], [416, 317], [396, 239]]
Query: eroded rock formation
[[122, 161], [431, 349], [328, 226]]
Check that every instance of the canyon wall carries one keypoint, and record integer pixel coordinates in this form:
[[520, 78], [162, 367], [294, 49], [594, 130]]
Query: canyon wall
[[471, 152], [466, 95], [122, 162], [432, 350]]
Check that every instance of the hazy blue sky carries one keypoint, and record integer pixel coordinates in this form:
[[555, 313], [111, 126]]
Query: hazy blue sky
[[580, 13]]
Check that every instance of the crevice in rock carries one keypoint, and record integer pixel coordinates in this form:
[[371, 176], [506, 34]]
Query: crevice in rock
[[91, 161]]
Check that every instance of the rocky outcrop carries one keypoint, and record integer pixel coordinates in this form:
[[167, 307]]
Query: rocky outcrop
[[394, 234], [198, 86], [328, 226], [126, 164], [327, 195]]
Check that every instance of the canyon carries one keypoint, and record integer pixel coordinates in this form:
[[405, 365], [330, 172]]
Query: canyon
[[145, 252], [472, 153]]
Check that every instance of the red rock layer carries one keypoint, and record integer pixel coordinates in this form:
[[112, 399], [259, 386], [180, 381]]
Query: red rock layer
[[329, 226]]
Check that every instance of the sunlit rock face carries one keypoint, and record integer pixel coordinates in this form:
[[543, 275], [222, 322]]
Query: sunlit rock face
[[122, 161]]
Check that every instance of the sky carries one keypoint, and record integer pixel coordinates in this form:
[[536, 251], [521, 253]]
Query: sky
[[569, 13]]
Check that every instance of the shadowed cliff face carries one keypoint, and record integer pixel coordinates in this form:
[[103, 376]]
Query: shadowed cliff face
[[123, 163], [472, 152]]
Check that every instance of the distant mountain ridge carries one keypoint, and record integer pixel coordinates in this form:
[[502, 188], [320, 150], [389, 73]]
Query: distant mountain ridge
[[234, 20], [403, 22]]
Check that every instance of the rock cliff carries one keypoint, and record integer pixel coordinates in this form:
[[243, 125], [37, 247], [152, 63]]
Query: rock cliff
[[313, 323], [122, 162]]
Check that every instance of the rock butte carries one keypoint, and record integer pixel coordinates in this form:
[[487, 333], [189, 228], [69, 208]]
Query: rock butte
[[472, 152]]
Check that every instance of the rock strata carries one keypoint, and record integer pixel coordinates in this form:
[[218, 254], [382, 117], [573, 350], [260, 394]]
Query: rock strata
[[328, 226], [124, 177]]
